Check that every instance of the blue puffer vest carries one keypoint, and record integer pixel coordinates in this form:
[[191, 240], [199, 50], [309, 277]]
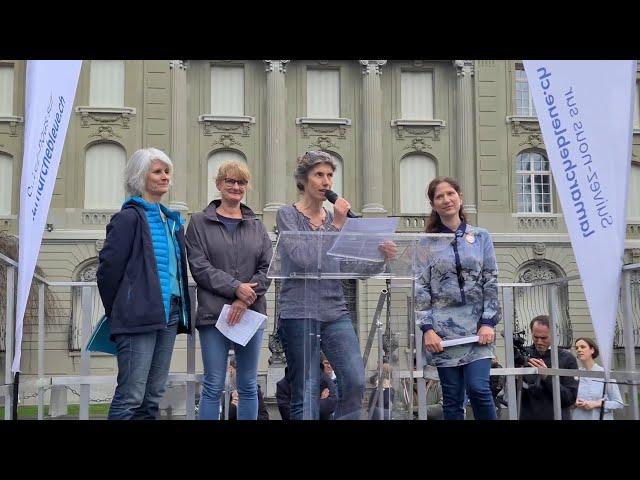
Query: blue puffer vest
[[160, 245]]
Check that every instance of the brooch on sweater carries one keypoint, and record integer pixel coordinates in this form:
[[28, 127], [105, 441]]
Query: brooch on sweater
[[470, 237]]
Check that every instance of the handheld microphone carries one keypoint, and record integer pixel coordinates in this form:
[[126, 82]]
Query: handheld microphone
[[332, 197]]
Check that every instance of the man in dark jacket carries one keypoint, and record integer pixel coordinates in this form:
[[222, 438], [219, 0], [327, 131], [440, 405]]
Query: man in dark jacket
[[328, 397], [537, 390]]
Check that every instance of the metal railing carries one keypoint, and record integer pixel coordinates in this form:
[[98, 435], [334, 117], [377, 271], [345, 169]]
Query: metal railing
[[629, 377]]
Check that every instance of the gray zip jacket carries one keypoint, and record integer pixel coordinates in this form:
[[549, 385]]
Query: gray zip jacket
[[220, 261]]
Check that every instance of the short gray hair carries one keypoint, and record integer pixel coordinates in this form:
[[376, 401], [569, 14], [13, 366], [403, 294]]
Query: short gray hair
[[305, 164], [138, 166]]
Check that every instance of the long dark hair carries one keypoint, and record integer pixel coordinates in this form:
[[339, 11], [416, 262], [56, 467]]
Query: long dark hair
[[434, 224]]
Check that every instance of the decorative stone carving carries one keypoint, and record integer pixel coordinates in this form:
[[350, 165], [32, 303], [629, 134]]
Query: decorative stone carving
[[96, 218], [104, 132], [324, 143], [635, 255], [538, 271], [281, 65], [536, 223], [88, 274], [535, 140], [332, 130], [524, 125], [464, 67], [539, 250], [428, 131], [99, 245], [102, 116], [372, 66], [212, 124], [226, 141], [181, 64], [418, 145]]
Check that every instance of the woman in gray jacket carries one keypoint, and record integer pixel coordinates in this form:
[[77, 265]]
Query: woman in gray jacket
[[229, 252]]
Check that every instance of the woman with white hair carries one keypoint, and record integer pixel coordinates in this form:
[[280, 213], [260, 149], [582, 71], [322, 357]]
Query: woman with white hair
[[142, 280]]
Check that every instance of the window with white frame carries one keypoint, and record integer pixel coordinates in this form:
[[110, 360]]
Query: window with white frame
[[416, 93], [633, 197], [103, 182], [338, 185], [323, 93], [416, 171], [87, 273], [227, 90], [523, 99], [213, 164], [533, 183], [6, 174], [6, 89], [106, 83]]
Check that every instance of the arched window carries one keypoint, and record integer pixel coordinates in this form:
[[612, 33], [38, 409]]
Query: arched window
[[103, 176], [106, 84], [416, 171], [213, 164], [530, 302], [533, 183], [86, 273], [6, 174]]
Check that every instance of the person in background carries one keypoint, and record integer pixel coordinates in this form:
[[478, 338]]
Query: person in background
[[592, 396]]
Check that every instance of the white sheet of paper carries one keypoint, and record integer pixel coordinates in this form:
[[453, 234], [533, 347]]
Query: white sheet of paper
[[459, 341], [242, 331], [364, 247]]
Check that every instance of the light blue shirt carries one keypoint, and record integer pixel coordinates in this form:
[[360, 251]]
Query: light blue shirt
[[591, 389], [173, 261]]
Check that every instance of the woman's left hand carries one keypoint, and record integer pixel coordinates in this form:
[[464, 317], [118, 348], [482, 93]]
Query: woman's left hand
[[486, 335], [238, 307], [388, 249]]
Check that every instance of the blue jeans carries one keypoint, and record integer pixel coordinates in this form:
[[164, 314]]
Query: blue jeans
[[143, 368], [215, 349], [302, 340], [474, 378]]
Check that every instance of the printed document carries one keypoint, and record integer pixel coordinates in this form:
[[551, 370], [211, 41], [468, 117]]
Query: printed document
[[242, 331]]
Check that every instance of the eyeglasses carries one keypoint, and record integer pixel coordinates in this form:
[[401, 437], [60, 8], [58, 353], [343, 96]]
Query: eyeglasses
[[230, 182]]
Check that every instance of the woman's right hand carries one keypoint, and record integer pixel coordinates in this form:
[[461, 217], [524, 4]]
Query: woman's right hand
[[238, 307], [245, 292], [340, 209], [432, 341]]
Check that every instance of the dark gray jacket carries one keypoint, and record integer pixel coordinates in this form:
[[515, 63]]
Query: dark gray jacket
[[220, 261]]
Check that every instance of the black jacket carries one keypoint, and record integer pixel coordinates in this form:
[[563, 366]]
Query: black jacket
[[537, 394], [327, 405], [128, 278]]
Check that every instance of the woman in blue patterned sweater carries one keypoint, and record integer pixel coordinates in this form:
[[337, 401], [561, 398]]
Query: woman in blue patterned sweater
[[457, 296], [142, 280]]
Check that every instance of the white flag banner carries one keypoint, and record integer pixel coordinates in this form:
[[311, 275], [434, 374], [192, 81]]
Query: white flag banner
[[585, 110], [50, 90]]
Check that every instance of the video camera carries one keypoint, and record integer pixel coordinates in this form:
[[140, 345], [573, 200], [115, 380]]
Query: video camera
[[520, 353]]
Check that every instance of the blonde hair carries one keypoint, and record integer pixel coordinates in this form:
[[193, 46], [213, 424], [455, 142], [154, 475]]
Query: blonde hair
[[239, 170]]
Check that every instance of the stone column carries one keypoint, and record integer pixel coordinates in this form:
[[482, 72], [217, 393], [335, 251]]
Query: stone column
[[466, 164], [179, 132], [372, 137], [276, 161]]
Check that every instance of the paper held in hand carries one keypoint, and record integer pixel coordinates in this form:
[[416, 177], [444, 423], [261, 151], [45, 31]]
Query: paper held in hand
[[459, 341], [242, 331]]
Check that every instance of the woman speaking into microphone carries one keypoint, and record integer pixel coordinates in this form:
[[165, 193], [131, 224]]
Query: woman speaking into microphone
[[299, 326]]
